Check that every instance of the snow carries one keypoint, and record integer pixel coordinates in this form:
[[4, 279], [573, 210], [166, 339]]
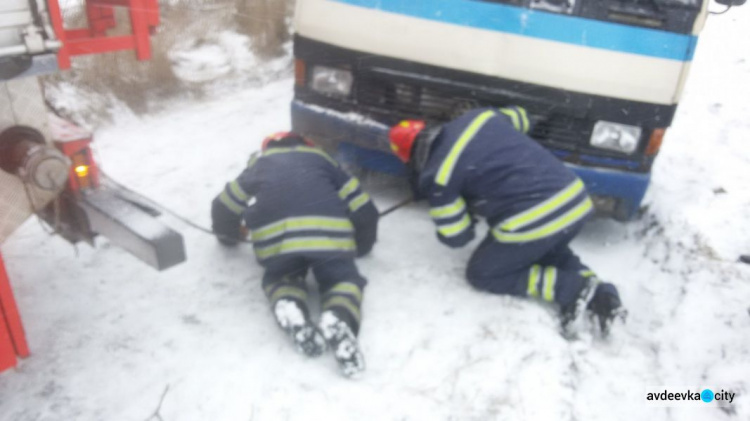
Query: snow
[[288, 313], [349, 116], [208, 60], [110, 336], [554, 6]]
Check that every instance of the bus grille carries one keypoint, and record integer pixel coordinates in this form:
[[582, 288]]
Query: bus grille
[[402, 100]]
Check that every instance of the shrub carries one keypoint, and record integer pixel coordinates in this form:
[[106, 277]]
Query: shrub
[[112, 79]]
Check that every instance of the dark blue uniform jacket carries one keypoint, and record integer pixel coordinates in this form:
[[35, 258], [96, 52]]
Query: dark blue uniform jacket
[[297, 200], [481, 164]]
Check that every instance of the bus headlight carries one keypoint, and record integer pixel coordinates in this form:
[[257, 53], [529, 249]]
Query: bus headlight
[[330, 81], [616, 137]]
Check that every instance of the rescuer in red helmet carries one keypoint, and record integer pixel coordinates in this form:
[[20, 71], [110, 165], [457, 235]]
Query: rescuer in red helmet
[[483, 165], [304, 212]]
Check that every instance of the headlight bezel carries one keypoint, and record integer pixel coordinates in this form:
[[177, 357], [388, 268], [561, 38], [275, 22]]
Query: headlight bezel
[[331, 81], [616, 137]]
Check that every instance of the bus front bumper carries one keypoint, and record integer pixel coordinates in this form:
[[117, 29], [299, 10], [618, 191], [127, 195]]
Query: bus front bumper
[[364, 143]]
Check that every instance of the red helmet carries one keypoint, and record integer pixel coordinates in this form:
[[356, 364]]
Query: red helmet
[[403, 136], [283, 136]]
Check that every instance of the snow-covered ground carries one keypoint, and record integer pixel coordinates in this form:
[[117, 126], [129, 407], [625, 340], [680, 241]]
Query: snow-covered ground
[[111, 338]]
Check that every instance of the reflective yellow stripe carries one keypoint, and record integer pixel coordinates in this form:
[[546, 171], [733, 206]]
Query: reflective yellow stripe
[[446, 168], [358, 202], [268, 288], [525, 125], [347, 288], [252, 160], [543, 209], [308, 149], [587, 273], [513, 116], [305, 244], [550, 278], [237, 190], [533, 290], [284, 280], [301, 224], [450, 210], [288, 292], [456, 228], [319, 152], [342, 302], [274, 151], [230, 203], [555, 226], [348, 188]]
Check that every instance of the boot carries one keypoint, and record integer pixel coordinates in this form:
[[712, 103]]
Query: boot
[[342, 340], [600, 300], [606, 306], [295, 322]]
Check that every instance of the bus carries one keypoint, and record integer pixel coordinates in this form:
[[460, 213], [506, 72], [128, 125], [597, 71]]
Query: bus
[[600, 79]]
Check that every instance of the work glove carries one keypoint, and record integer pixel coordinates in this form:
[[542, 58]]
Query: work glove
[[231, 238]]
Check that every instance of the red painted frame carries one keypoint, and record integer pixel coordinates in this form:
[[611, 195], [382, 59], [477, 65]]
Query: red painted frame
[[12, 337], [144, 17]]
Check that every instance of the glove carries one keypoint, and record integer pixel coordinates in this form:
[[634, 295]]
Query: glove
[[231, 240], [226, 240]]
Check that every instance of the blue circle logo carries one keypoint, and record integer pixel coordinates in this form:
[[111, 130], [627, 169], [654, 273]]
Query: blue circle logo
[[707, 395]]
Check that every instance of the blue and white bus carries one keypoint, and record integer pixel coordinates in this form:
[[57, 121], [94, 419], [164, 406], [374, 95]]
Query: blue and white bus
[[601, 79]]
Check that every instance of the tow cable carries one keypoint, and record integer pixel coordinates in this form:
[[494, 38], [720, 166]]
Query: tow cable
[[396, 207], [153, 207]]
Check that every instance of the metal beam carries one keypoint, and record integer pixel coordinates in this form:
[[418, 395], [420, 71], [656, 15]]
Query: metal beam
[[129, 227]]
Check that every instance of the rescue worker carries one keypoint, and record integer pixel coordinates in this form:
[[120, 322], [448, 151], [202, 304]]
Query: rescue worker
[[483, 165], [304, 212]]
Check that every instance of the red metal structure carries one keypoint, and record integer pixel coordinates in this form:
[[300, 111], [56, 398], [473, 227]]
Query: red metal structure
[[83, 172], [12, 339], [144, 17]]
